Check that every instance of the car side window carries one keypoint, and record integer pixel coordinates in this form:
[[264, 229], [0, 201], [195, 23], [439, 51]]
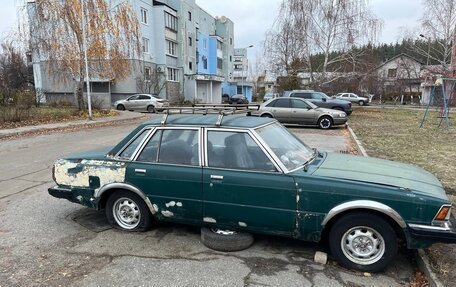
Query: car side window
[[271, 104], [298, 104], [282, 103], [133, 98], [130, 149], [317, 96], [352, 96], [173, 146], [345, 96], [144, 97], [236, 150]]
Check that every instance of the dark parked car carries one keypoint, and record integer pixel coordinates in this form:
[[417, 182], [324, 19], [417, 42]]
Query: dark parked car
[[238, 100], [237, 175], [302, 112], [321, 99]]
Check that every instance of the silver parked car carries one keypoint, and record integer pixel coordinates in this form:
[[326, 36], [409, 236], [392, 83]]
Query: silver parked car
[[143, 102], [354, 98], [299, 111]]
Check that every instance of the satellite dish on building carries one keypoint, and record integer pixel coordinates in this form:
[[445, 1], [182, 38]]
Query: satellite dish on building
[[222, 19]]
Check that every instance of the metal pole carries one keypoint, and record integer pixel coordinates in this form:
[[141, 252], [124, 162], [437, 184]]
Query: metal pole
[[84, 41]]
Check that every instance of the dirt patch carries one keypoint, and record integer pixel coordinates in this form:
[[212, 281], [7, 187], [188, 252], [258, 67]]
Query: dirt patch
[[443, 260]]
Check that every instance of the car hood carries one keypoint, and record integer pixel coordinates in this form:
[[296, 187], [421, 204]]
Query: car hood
[[379, 171], [338, 101]]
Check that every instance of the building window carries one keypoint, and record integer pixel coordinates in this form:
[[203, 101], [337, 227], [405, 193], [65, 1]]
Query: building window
[[219, 63], [231, 41], [143, 16], [189, 16], [190, 41], [145, 46], [173, 75], [231, 59], [239, 90], [171, 48], [204, 62], [147, 73], [219, 45], [190, 66], [392, 73], [205, 44], [170, 21], [238, 67]]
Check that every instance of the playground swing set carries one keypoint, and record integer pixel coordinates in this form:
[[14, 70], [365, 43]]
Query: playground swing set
[[448, 91]]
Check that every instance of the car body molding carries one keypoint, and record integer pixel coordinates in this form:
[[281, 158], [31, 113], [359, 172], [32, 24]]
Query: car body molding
[[118, 185], [365, 204]]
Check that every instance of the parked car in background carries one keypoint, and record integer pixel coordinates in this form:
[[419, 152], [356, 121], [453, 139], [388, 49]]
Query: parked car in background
[[302, 112], [238, 100], [236, 175], [321, 99], [354, 98], [269, 96], [142, 102]]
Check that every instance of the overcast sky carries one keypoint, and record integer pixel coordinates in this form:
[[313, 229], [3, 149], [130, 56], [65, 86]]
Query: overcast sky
[[253, 17]]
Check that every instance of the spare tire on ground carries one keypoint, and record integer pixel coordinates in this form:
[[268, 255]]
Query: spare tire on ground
[[225, 240]]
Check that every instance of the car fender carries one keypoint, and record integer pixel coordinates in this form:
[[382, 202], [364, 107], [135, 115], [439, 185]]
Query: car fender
[[366, 205], [107, 188]]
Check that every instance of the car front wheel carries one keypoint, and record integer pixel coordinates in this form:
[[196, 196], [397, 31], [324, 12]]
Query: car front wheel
[[127, 211], [363, 241], [361, 103], [266, 116], [325, 122], [121, 107]]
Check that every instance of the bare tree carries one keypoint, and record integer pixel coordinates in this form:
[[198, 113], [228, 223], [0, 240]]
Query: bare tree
[[151, 82], [111, 38], [438, 27], [306, 27]]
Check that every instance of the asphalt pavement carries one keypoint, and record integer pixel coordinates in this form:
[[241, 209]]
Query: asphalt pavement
[[45, 241]]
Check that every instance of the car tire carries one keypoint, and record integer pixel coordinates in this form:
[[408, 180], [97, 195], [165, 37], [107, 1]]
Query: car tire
[[375, 235], [225, 240], [120, 107], [267, 116], [325, 122], [151, 109], [361, 103], [126, 210]]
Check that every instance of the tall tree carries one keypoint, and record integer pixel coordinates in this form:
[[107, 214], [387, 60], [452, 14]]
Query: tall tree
[[111, 38], [322, 26]]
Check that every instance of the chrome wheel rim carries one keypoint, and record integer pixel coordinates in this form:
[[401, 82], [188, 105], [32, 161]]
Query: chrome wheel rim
[[325, 123], [223, 231], [126, 213], [363, 245]]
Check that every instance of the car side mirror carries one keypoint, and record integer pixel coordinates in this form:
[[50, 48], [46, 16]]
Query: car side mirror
[[324, 99]]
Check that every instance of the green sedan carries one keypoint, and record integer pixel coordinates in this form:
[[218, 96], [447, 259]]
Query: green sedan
[[236, 176]]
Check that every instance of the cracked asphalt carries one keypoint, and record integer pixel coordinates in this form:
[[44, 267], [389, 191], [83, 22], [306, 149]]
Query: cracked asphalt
[[45, 241]]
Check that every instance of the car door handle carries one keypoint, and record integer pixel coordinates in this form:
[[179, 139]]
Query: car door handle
[[140, 170], [219, 177]]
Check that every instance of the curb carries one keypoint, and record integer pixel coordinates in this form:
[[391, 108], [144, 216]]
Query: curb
[[421, 257], [35, 129]]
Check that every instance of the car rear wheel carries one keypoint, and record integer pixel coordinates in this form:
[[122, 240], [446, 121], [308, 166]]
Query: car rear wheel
[[363, 241], [325, 122], [266, 116], [128, 211], [121, 107], [151, 109], [225, 240], [361, 103]]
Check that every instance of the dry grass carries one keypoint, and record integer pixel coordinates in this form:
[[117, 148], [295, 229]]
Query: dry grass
[[394, 133], [13, 117]]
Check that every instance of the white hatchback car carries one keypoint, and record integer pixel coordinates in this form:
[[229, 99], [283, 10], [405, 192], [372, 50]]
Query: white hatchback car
[[354, 98], [144, 102]]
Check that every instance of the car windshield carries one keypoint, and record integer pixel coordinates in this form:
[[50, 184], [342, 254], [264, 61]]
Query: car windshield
[[290, 150], [323, 95]]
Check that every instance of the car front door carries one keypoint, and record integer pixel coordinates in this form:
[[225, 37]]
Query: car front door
[[242, 188], [282, 110], [302, 113], [168, 170], [131, 102]]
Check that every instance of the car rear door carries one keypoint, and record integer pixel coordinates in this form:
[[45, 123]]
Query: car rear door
[[242, 187], [167, 169], [282, 110], [143, 101]]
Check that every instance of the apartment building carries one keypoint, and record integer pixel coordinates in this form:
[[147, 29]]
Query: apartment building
[[186, 55]]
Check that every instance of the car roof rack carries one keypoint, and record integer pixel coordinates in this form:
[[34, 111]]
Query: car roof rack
[[205, 109]]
